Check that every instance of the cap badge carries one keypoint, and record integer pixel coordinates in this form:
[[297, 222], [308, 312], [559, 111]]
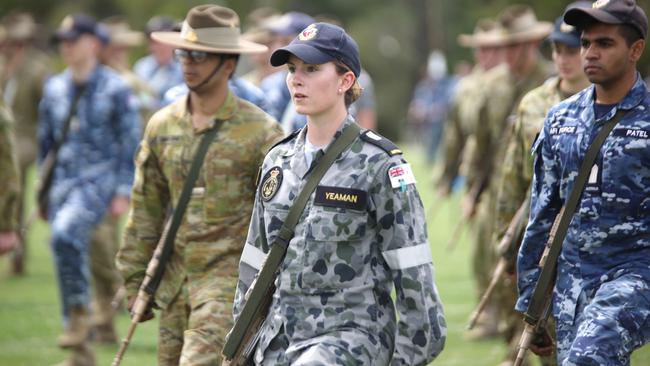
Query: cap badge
[[191, 36], [565, 28], [271, 183], [308, 33], [599, 4], [67, 23]]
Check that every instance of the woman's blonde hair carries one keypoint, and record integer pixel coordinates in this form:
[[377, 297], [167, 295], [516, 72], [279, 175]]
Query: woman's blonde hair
[[352, 94]]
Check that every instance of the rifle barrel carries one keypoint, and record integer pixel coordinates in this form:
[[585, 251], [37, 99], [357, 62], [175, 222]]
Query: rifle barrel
[[498, 272]]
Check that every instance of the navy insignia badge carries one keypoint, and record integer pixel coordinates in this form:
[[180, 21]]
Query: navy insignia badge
[[271, 183]]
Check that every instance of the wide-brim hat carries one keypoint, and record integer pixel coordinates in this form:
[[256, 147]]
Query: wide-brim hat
[[210, 28], [20, 26], [121, 34], [487, 33], [522, 25]]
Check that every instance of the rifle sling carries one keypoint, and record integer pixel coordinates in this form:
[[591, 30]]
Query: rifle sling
[[181, 206], [543, 287], [266, 277]]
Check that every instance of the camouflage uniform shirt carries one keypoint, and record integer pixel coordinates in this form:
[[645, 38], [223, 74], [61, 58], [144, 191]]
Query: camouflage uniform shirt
[[215, 223], [605, 258], [334, 285], [8, 174]]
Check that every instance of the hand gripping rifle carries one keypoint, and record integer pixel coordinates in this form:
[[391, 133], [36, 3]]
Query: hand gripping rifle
[[539, 307], [242, 339], [152, 277], [507, 246], [165, 247]]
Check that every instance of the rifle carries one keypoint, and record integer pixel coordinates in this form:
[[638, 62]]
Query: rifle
[[474, 195], [535, 325], [506, 247], [155, 268]]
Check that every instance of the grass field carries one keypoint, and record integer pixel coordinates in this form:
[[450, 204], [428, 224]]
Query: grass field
[[30, 317]]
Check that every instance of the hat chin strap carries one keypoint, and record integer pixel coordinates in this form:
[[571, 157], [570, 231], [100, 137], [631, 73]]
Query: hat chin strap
[[209, 77]]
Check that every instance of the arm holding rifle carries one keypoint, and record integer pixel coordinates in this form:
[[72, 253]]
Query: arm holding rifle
[[545, 208], [145, 221]]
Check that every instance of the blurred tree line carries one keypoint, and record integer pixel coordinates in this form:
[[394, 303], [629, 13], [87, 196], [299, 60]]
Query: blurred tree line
[[395, 37]]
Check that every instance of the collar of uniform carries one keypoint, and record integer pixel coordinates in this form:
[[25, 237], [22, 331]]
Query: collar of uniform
[[633, 98], [298, 162], [92, 78], [225, 113]]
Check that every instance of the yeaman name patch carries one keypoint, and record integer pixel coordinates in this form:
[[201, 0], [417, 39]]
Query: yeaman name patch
[[354, 199]]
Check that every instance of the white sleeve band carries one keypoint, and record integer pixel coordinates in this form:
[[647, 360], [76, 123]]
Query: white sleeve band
[[408, 257], [253, 256]]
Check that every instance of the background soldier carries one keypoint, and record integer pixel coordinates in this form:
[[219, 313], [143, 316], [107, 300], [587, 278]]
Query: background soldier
[[487, 41], [514, 184], [94, 169], [601, 296], [23, 70], [10, 193], [197, 290], [523, 70]]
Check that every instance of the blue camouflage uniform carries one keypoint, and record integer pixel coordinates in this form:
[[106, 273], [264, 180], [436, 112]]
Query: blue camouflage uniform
[[95, 163], [357, 239], [159, 78], [602, 293], [240, 87]]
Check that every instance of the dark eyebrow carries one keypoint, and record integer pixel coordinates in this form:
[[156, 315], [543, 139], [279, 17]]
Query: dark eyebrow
[[597, 39]]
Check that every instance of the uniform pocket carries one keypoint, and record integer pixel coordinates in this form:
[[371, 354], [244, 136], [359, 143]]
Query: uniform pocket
[[335, 257]]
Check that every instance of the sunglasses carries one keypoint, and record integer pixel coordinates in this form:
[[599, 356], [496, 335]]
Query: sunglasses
[[192, 55]]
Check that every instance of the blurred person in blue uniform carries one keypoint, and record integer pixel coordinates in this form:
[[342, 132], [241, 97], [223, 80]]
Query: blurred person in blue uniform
[[159, 69], [94, 170]]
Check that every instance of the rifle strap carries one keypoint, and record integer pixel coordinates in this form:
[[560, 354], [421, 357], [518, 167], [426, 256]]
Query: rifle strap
[[266, 276], [68, 119], [547, 276], [181, 205]]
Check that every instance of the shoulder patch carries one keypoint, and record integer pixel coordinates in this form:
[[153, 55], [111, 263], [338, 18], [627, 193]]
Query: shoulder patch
[[381, 142], [282, 141]]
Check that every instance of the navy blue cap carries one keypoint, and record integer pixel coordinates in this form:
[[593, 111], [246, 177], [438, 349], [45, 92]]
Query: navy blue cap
[[73, 26], [565, 34], [320, 43], [610, 12], [289, 24]]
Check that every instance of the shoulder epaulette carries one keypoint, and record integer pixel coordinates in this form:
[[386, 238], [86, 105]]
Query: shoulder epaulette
[[291, 136], [381, 142]]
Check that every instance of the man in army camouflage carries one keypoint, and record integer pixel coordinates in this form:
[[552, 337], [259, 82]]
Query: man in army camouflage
[[93, 173], [23, 70], [601, 298], [516, 175], [197, 290], [488, 44], [523, 70], [10, 193]]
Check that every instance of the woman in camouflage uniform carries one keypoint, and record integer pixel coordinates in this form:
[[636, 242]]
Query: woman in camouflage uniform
[[361, 234]]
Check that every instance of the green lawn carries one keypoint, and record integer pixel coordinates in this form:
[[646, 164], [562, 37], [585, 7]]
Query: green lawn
[[30, 317]]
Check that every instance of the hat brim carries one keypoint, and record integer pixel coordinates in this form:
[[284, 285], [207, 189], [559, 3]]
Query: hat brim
[[66, 36], [307, 53], [579, 16], [565, 39], [482, 40], [127, 39], [175, 39], [537, 32]]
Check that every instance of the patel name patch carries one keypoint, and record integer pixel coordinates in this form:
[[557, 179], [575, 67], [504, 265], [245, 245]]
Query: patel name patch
[[631, 132], [354, 199]]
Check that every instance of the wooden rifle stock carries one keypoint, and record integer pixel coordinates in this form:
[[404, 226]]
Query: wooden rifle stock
[[145, 294]]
